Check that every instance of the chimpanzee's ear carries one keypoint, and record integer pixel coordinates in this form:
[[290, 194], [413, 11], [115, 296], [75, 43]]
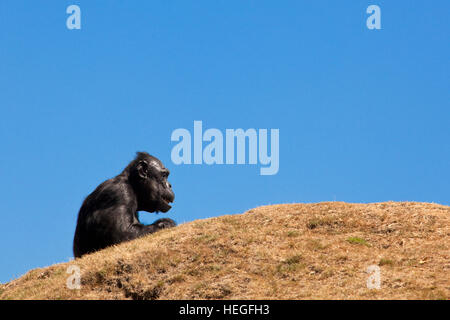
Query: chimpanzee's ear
[[142, 169]]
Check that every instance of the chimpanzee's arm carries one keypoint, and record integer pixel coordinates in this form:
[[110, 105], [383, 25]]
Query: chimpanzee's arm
[[128, 226]]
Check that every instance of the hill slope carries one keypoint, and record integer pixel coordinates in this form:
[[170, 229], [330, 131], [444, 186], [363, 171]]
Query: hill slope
[[292, 251]]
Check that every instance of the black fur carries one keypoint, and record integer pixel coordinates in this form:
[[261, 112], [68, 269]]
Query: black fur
[[109, 214]]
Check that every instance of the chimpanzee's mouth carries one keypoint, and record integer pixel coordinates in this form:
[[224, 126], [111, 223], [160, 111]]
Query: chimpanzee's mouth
[[166, 200]]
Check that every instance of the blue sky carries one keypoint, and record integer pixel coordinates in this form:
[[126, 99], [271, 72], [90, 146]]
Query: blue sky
[[363, 114]]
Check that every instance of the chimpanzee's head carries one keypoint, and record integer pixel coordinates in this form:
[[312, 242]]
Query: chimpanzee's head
[[148, 177]]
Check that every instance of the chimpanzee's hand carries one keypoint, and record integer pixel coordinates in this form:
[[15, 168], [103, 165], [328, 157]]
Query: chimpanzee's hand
[[164, 223]]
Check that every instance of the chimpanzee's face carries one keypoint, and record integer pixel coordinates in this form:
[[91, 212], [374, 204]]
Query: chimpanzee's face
[[156, 191]]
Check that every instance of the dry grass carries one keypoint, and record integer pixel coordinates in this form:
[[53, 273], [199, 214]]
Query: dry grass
[[296, 251]]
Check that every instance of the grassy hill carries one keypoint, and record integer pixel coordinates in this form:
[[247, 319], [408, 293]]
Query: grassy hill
[[290, 251]]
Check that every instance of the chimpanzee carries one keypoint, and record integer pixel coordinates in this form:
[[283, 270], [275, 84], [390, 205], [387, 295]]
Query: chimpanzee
[[109, 215]]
